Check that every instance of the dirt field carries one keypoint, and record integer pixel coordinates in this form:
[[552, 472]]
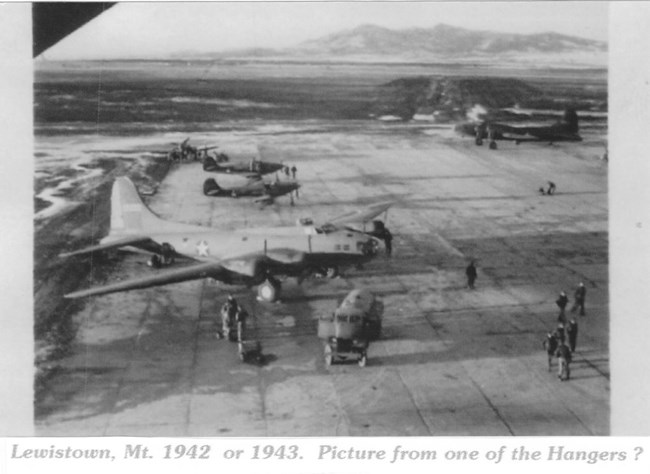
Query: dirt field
[[450, 362]]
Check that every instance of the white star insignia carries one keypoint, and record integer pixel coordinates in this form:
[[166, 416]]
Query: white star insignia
[[202, 248]]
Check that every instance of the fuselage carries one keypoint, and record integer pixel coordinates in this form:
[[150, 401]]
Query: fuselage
[[339, 246]]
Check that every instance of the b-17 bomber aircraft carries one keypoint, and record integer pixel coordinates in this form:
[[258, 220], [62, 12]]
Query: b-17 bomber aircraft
[[255, 256], [265, 192], [565, 130], [252, 168]]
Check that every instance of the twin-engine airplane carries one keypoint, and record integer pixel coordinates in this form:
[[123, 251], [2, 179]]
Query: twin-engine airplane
[[248, 257], [251, 168], [265, 192], [565, 130]]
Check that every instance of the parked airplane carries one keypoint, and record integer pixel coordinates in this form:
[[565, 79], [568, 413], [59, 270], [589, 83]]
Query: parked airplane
[[265, 192], [253, 167], [561, 131], [249, 257], [184, 151]]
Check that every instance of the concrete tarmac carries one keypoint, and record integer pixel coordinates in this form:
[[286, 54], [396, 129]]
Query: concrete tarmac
[[451, 361]]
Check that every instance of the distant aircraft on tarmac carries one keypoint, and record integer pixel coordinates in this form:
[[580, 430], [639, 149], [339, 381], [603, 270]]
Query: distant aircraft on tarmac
[[251, 168], [184, 151], [264, 192], [565, 130], [255, 256]]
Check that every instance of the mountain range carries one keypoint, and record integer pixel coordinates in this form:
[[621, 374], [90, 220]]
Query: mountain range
[[441, 42]]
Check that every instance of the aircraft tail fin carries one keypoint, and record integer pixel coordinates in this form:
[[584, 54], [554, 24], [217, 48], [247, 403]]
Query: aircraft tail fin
[[570, 119], [211, 187], [210, 164], [129, 214]]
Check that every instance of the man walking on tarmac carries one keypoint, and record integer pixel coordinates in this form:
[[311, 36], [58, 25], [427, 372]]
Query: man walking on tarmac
[[550, 344], [580, 295], [561, 303], [471, 273], [572, 334], [563, 354]]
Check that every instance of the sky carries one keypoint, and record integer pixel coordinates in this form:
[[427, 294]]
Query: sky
[[157, 29]]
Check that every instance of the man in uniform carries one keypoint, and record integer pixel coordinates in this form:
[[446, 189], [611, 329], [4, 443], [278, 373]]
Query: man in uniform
[[550, 344], [561, 303], [563, 354], [471, 273], [240, 318], [380, 231], [580, 295], [293, 171], [572, 334], [228, 314]]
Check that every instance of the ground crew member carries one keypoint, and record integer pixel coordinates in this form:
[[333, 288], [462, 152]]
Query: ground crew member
[[240, 318], [561, 303], [381, 232], [228, 314], [471, 273], [563, 354], [559, 333], [286, 170], [572, 334], [550, 344], [551, 188], [293, 171], [388, 241], [580, 295], [225, 321], [550, 191]]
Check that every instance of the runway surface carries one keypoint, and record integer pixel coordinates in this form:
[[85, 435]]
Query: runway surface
[[451, 361]]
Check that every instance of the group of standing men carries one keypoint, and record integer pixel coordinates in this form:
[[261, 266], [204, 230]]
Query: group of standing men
[[554, 343], [293, 170]]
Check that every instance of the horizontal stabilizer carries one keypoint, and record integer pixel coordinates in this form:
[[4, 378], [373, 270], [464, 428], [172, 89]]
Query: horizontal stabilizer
[[134, 241]]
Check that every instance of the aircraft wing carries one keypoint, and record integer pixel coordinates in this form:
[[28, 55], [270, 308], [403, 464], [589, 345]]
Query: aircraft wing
[[138, 241], [191, 272], [252, 266], [361, 216]]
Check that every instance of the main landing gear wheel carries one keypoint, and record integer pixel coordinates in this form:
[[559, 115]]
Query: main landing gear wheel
[[363, 360], [478, 141], [155, 261], [328, 355], [269, 290], [493, 145]]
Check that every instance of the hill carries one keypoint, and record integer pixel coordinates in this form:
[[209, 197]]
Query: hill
[[442, 43]]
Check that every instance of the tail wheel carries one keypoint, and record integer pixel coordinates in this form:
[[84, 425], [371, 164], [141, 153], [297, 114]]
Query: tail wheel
[[328, 355], [269, 290]]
